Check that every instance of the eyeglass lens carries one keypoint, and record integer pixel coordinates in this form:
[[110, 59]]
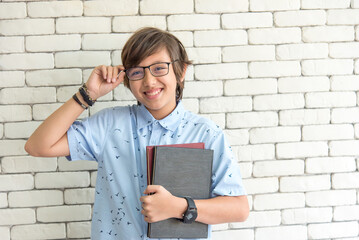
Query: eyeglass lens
[[157, 70]]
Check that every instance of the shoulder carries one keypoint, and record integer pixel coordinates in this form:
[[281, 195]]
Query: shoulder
[[202, 123]]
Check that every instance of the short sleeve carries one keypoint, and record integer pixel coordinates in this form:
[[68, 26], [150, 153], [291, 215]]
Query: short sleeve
[[86, 137], [226, 178]]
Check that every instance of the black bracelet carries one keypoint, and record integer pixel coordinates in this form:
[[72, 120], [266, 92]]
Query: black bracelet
[[79, 102], [86, 97]]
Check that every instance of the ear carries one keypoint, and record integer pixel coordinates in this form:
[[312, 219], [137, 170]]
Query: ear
[[184, 72]]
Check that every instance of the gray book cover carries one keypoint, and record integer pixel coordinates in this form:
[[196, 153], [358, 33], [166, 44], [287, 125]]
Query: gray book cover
[[183, 172]]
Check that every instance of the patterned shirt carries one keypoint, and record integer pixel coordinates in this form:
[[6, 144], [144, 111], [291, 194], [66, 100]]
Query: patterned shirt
[[117, 138]]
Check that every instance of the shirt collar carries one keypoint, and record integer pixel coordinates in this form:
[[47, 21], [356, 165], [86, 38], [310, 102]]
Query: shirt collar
[[171, 122]]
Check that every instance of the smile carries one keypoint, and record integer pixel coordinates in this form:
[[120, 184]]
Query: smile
[[153, 92]]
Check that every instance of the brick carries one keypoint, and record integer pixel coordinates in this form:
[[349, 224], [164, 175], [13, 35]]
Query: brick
[[345, 115], [302, 150], [1, 133], [274, 69], [27, 26], [277, 5], [274, 35], [56, 77], [39, 231], [186, 38], [15, 113], [226, 6], [93, 178], [274, 135], [220, 38], [344, 148], [12, 10], [328, 132], [355, 4], [221, 71], [17, 216], [193, 22], [345, 180], [343, 17], [15, 182], [79, 230], [54, 9], [203, 89], [110, 8], [36, 198], [250, 86], [27, 95], [65, 165], [53, 43], [248, 53], [327, 67], [252, 119], [259, 219], [257, 152], [3, 201], [28, 164], [261, 185], [326, 4], [5, 233], [64, 213], [123, 93], [225, 104], [138, 22], [234, 234], [343, 83], [344, 50], [12, 79], [307, 215], [26, 61], [346, 213], [217, 118], [82, 59], [12, 44], [165, 7], [305, 183], [83, 25], [204, 55], [278, 168], [330, 99], [108, 41], [246, 169], [42, 111], [191, 104], [20, 130], [303, 84], [247, 20], [282, 233], [12, 147], [330, 198], [79, 196], [330, 165], [302, 51], [300, 18], [278, 102], [333, 230], [328, 34], [356, 64], [278, 201], [62, 180]]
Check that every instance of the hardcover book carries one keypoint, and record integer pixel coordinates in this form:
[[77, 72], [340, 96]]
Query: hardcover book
[[183, 171]]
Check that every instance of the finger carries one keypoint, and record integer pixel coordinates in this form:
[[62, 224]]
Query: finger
[[151, 189], [104, 71], [115, 73], [109, 74]]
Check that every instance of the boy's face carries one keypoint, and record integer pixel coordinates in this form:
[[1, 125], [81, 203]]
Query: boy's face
[[157, 94]]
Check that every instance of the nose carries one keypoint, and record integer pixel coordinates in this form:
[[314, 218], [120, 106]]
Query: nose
[[149, 79]]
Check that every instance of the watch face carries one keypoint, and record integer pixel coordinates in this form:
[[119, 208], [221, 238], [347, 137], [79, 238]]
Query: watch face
[[190, 216]]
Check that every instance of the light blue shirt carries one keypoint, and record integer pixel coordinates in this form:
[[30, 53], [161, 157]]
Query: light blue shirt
[[117, 138]]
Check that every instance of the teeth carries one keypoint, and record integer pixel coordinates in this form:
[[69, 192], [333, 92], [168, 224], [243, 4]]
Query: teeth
[[153, 93]]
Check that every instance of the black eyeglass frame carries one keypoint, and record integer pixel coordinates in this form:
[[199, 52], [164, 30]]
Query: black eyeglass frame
[[149, 68]]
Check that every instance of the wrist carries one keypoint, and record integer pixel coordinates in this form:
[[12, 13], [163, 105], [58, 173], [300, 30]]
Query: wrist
[[81, 99], [181, 207]]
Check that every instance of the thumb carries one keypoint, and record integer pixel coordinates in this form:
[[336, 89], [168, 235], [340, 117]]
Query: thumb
[[151, 189]]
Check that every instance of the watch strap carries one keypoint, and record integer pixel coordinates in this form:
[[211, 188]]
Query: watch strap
[[191, 212]]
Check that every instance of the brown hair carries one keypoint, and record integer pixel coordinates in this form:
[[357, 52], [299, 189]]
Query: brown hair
[[147, 41]]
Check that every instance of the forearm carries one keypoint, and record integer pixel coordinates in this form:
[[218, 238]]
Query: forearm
[[43, 141], [222, 209]]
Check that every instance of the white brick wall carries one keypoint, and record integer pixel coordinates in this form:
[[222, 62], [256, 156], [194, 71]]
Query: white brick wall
[[280, 76]]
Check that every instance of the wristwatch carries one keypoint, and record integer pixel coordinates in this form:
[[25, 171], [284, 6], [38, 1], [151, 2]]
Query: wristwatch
[[191, 213]]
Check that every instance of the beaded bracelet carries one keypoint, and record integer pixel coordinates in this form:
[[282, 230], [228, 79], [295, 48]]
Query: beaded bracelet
[[79, 102], [85, 95]]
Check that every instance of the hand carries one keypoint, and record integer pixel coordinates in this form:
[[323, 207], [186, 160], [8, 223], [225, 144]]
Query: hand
[[161, 204], [104, 79]]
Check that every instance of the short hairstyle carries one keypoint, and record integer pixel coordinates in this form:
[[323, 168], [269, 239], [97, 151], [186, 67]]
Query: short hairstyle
[[147, 41]]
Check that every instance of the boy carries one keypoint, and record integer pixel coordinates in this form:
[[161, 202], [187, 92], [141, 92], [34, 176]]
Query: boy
[[154, 66]]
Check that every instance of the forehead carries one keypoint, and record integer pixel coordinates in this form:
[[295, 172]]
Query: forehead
[[161, 55]]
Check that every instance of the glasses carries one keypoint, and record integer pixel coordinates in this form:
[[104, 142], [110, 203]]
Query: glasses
[[157, 70]]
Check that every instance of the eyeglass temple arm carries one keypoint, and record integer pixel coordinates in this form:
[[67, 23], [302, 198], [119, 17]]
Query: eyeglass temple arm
[[120, 73]]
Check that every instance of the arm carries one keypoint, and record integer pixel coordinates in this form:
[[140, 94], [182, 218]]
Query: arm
[[221, 209], [50, 138]]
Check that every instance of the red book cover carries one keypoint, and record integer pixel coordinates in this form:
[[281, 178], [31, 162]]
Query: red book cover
[[150, 151]]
